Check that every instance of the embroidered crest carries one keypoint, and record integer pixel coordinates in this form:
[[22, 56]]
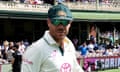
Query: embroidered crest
[[61, 13], [66, 67]]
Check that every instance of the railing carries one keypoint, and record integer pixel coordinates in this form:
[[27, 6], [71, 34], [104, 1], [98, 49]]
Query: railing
[[24, 7], [107, 5], [111, 5]]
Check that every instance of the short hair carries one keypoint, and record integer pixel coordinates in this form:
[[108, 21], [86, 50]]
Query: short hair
[[16, 46]]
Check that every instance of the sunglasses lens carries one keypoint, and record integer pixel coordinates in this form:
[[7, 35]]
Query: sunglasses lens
[[57, 22]]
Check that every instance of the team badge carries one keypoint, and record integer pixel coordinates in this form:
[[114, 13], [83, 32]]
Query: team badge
[[66, 67], [61, 13]]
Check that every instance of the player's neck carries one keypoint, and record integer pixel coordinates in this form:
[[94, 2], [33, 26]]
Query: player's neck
[[61, 44]]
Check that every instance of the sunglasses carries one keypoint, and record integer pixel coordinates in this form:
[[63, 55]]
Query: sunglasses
[[57, 22]]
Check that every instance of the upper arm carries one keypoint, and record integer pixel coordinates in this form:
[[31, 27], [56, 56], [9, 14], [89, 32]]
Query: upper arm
[[32, 60]]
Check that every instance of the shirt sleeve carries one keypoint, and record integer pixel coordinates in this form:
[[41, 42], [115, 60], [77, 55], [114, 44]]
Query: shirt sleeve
[[77, 67], [32, 60]]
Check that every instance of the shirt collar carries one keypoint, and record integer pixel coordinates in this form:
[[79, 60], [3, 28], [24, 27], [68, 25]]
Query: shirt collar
[[49, 39]]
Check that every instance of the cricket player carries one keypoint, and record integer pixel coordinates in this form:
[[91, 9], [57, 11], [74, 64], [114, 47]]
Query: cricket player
[[54, 52]]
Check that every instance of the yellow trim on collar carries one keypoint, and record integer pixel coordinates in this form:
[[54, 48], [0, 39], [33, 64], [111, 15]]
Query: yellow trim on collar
[[66, 40]]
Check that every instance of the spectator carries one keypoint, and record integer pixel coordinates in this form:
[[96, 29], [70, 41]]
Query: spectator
[[5, 49], [83, 49], [26, 43], [115, 51], [17, 59], [60, 1], [75, 42], [21, 47], [91, 47], [10, 51]]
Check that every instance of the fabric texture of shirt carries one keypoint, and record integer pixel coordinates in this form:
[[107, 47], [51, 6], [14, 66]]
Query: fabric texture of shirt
[[45, 56]]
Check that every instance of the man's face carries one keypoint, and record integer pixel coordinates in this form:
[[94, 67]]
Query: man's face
[[58, 31]]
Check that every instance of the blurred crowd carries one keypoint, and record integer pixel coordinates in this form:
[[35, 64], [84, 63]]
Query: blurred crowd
[[7, 50], [52, 2], [91, 48]]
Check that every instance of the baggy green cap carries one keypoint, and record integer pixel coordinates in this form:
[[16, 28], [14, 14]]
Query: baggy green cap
[[60, 11]]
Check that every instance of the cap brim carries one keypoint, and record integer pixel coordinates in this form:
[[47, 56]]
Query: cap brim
[[63, 18]]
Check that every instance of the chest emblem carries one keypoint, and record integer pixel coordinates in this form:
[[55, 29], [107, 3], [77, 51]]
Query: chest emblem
[[66, 67]]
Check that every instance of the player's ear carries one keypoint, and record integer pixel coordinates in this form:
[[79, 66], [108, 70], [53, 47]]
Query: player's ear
[[48, 21]]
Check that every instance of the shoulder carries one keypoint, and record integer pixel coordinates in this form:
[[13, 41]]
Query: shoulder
[[34, 48], [35, 51]]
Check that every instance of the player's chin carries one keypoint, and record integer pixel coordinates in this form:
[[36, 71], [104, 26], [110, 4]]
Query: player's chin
[[61, 36]]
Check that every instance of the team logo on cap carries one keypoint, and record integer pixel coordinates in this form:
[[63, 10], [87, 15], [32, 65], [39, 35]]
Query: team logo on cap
[[61, 13]]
